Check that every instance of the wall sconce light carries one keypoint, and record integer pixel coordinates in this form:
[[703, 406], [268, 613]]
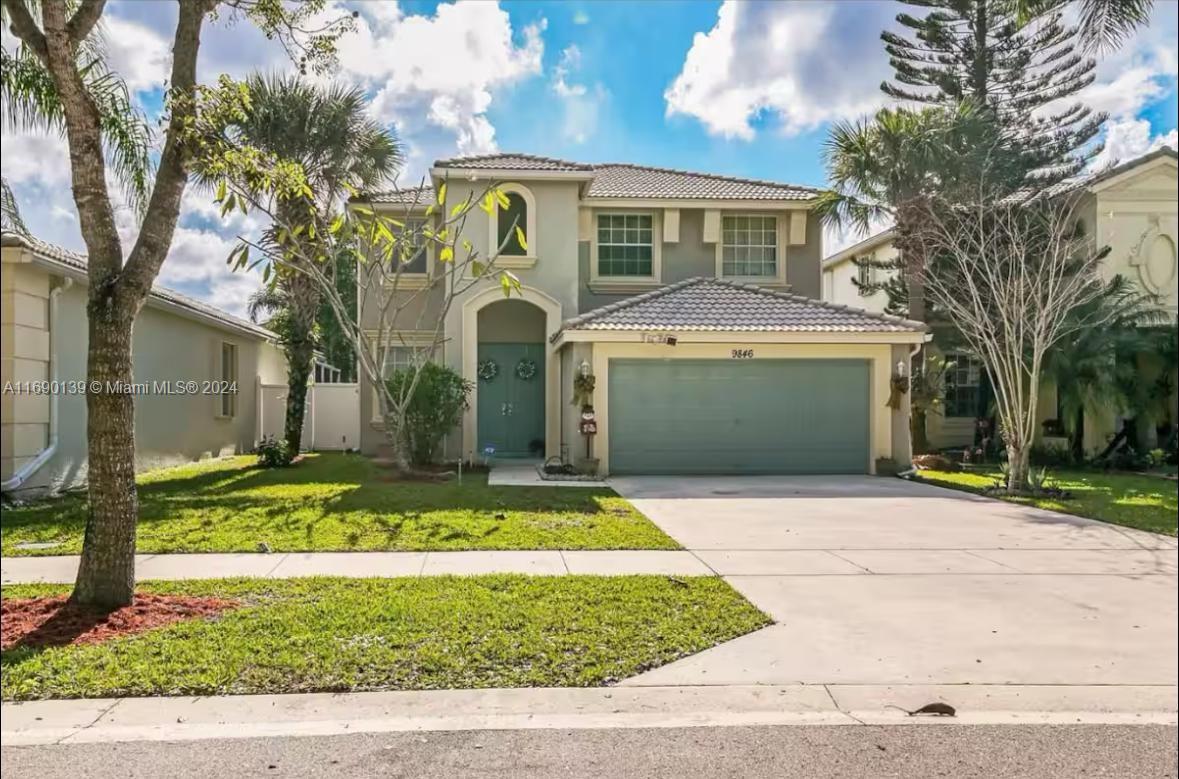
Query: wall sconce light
[[584, 368], [901, 368]]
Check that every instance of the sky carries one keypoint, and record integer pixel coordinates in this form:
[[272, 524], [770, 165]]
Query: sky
[[741, 88]]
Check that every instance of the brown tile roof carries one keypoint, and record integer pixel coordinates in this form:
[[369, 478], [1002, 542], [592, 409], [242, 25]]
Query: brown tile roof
[[625, 180], [508, 161], [707, 304], [620, 180], [405, 196], [77, 261]]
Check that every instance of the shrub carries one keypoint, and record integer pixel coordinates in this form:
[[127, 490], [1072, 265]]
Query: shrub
[[1051, 454], [273, 452], [436, 407]]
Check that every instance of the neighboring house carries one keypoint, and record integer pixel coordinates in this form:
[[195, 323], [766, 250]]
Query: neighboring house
[[1131, 208], [841, 272], [177, 339], [694, 301]]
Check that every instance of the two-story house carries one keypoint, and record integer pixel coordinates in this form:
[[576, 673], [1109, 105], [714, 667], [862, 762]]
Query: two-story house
[[693, 300], [1132, 209]]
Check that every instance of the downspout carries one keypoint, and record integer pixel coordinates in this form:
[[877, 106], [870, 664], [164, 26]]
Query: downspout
[[32, 466], [912, 469]]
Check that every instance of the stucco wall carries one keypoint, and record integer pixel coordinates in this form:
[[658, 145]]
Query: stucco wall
[[169, 429], [690, 256], [838, 286], [24, 356]]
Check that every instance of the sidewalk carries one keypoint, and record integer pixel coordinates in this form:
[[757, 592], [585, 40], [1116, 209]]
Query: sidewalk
[[322, 714], [29, 570]]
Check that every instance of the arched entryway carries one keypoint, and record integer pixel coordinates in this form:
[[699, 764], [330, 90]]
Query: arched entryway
[[508, 358]]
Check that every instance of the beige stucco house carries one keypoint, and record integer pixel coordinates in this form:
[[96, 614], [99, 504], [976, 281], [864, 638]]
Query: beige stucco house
[[694, 302], [1131, 208], [178, 340]]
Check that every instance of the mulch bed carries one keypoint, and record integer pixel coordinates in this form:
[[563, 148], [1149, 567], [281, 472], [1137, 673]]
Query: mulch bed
[[52, 622]]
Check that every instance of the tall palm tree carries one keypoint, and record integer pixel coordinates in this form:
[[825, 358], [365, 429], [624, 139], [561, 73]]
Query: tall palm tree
[[887, 168], [328, 131]]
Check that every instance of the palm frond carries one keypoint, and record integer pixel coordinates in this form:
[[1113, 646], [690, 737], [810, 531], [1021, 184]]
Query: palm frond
[[12, 221]]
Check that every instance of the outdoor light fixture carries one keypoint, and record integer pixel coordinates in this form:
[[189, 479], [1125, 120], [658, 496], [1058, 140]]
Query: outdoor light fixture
[[584, 368]]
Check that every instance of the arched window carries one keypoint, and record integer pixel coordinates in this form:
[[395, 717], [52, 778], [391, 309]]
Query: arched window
[[520, 211], [515, 215]]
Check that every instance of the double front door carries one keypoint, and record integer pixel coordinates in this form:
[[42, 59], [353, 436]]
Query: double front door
[[510, 401]]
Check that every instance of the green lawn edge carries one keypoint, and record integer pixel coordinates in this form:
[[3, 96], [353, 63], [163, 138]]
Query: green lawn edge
[[341, 503], [336, 635], [1142, 502]]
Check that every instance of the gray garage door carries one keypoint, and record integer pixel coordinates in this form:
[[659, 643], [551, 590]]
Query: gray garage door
[[739, 416]]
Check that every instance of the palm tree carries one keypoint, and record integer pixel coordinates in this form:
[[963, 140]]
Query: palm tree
[[31, 103], [1103, 24], [1095, 368], [12, 221], [327, 130], [888, 167]]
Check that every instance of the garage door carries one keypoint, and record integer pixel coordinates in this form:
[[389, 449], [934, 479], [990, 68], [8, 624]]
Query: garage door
[[739, 416]]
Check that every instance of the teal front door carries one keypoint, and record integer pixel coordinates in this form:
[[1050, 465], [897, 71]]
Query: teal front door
[[510, 403]]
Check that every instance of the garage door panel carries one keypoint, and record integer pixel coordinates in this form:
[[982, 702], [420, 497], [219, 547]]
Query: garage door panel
[[721, 416]]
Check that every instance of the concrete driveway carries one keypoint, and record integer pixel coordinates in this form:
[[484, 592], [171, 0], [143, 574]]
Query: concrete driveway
[[876, 581]]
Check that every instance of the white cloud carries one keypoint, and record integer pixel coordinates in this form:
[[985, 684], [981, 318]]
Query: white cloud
[[580, 104], [440, 71], [137, 53], [836, 239], [1129, 138], [803, 63]]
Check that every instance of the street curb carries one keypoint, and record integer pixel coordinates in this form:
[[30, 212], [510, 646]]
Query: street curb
[[320, 714]]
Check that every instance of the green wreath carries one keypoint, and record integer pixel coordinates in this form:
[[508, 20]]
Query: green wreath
[[526, 369], [488, 370]]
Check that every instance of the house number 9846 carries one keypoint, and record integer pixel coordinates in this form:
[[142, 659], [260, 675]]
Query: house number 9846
[[742, 354]]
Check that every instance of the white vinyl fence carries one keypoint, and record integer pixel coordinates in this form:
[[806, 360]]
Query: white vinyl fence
[[332, 419]]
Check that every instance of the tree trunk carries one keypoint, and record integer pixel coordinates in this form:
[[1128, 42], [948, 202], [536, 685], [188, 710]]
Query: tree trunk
[[398, 438], [1078, 438], [106, 573], [300, 356], [1017, 469], [917, 432]]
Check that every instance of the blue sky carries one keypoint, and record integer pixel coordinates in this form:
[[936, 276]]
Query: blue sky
[[747, 89]]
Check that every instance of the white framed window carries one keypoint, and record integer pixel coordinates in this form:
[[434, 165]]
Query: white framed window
[[963, 385], [227, 378], [625, 245], [865, 274], [406, 349], [749, 246], [414, 262]]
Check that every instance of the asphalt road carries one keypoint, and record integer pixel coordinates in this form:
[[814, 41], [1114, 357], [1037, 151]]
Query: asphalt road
[[847, 752]]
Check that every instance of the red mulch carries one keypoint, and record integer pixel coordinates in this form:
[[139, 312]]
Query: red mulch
[[50, 622]]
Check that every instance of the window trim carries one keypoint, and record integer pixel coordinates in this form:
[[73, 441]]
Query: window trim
[[625, 283], [955, 357], [862, 271], [781, 232], [410, 281], [219, 410], [514, 261]]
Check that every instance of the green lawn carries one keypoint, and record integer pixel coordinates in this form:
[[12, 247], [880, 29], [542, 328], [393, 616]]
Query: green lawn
[[1143, 502], [304, 635], [342, 502]]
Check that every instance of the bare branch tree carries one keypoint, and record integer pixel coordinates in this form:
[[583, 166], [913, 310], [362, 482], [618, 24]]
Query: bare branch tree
[[1008, 275]]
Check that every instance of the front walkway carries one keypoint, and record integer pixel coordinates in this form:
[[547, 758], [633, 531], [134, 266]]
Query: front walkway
[[28, 570]]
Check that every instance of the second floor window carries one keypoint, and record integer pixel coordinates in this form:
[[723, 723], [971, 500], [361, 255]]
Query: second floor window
[[749, 246], [414, 258], [963, 379], [625, 244], [865, 274], [515, 215]]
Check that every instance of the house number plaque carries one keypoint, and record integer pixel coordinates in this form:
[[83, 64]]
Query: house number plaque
[[742, 354]]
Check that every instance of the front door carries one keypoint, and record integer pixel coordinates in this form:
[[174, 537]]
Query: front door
[[510, 402]]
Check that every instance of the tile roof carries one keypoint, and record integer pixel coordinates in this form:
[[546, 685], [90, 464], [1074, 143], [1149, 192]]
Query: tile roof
[[620, 180], [402, 196], [707, 304], [78, 262], [625, 180], [509, 161]]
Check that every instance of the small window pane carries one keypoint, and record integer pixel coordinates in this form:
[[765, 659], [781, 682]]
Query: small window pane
[[749, 246], [625, 244], [515, 215]]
